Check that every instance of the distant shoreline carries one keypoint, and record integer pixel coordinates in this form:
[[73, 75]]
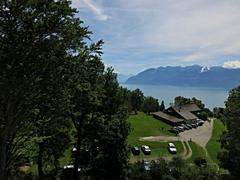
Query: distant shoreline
[[211, 96]]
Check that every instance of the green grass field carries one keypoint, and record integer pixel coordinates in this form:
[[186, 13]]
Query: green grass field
[[197, 151], [159, 150], [214, 145], [145, 125]]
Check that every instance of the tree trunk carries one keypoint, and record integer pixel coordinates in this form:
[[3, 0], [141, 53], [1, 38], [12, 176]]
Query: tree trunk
[[77, 158], [40, 163], [3, 157]]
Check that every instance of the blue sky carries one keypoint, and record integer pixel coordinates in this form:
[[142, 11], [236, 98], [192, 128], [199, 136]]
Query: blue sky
[[141, 34]]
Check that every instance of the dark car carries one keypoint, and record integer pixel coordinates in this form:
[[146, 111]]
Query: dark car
[[174, 130], [185, 127], [200, 122], [135, 150], [194, 125], [146, 150], [180, 128], [189, 126]]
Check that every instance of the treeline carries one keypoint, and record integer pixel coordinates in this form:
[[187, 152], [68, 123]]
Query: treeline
[[53, 82], [136, 101], [176, 169], [56, 94]]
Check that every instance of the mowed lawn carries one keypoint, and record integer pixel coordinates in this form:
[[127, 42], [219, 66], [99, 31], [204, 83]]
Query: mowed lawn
[[158, 150], [197, 151], [144, 125], [214, 145]]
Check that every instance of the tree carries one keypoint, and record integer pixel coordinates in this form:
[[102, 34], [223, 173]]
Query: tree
[[137, 98], [109, 132], [37, 39], [124, 96], [179, 101], [230, 155], [198, 102], [218, 112], [162, 106], [150, 105]]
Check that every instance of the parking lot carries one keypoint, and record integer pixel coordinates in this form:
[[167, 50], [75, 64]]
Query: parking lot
[[199, 135]]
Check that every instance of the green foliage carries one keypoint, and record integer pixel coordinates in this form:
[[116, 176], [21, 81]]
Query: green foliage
[[162, 106], [179, 101], [150, 104], [37, 38], [198, 102], [218, 112], [214, 144], [137, 99], [230, 141], [176, 169], [203, 115], [51, 75]]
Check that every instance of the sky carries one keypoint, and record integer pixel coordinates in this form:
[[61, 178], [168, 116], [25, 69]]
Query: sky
[[142, 34]]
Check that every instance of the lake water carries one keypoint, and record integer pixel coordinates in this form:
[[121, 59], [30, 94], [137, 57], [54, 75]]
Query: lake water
[[211, 97]]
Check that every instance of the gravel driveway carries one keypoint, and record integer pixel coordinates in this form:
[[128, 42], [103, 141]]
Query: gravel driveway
[[200, 135]]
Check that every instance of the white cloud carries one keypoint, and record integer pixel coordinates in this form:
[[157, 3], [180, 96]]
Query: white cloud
[[196, 56], [191, 31], [232, 64], [93, 7]]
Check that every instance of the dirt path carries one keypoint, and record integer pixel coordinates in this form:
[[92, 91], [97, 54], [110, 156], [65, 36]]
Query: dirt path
[[189, 154], [184, 153], [161, 138]]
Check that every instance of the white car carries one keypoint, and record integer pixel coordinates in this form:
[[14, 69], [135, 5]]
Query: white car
[[172, 148], [146, 150]]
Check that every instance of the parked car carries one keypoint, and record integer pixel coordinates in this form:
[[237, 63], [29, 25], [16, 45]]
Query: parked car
[[172, 148], [194, 125], [180, 128], [135, 150], [185, 127], [174, 130], [146, 164], [189, 126], [200, 122], [146, 150]]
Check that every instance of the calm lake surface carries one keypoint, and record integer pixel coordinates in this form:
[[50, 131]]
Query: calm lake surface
[[211, 97]]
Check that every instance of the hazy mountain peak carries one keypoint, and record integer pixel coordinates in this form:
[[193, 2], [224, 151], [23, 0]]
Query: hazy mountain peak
[[205, 69], [216, 76]]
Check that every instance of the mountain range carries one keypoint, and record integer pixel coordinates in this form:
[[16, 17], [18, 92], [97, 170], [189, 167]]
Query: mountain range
[[194, 75]]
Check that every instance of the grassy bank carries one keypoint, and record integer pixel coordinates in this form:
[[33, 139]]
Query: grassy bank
[[197, 151], [214, 144], [144, 125]]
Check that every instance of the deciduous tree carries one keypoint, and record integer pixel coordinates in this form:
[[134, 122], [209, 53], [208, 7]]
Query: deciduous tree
[[230, 141]]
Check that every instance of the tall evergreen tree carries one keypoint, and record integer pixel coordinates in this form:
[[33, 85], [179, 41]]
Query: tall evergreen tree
[[162, 106]]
